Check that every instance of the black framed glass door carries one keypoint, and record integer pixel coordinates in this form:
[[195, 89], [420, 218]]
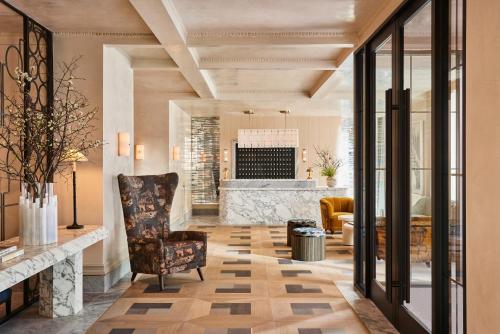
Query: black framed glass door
[[416, 211], [410, 192], [381, 56]]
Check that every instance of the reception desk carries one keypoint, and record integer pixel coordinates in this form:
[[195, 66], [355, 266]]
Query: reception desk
[[245, 202]]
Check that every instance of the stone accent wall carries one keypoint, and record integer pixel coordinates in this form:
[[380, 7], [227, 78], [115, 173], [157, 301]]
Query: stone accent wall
[[205, 136]]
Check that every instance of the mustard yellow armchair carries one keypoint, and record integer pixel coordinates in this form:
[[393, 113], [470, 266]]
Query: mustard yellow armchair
[[332, 208]]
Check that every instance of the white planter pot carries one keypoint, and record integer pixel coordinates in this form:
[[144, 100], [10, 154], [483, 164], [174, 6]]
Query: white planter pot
[[38, 222], [331, 182]]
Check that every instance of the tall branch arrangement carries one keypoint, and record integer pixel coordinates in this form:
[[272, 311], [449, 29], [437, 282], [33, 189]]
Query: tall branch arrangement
[[35, 144], [328, 163]]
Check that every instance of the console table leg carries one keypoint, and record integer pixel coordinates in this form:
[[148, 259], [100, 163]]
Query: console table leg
[[61, 288]]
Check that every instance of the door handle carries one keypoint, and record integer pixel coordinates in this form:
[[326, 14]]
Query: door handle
[[388, 199], [407, 225]]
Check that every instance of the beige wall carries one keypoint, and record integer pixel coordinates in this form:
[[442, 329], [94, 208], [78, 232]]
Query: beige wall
[[483, 164], [159, 125], [11, 90], [91, 183], [89, 180], [151, 127], [319, 131]]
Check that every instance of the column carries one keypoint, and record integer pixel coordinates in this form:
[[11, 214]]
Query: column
[[61, 288]]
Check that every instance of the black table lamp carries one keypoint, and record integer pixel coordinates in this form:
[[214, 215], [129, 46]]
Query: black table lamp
[[75, 156]]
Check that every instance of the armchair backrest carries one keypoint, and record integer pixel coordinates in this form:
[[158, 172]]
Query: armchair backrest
[[341, 204], [146, 202]]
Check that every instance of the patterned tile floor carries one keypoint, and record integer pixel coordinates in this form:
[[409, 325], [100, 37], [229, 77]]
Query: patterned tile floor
[[251, 286]]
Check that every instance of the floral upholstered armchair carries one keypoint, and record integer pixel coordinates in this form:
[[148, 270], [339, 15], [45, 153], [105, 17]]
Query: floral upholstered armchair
[[152, 247]]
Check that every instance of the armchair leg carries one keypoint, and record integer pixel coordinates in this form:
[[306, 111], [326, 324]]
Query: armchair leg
[[133, 277], [160, 279], [200, 274]]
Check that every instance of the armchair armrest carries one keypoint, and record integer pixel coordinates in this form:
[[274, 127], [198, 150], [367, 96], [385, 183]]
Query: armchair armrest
[[187, 235], [329, 206], [146, 255]]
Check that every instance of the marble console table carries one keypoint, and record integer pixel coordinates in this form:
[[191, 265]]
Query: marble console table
[[60, 266], [244, 202]]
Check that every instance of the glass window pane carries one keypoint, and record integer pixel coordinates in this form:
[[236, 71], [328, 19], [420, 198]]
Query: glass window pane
[[418, 80], [383, 82], [456, 223]]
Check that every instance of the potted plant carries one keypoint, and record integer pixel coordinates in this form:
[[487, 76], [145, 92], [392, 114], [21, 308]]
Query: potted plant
[[36, 140], [328, 165]]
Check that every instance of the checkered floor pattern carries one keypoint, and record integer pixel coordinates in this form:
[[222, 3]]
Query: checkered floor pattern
[[251, 286]]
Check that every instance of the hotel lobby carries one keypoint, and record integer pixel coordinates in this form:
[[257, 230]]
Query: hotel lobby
[[237, 167]]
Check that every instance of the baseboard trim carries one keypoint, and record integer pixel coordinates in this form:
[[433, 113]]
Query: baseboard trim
[[102, 283], [181, 221]]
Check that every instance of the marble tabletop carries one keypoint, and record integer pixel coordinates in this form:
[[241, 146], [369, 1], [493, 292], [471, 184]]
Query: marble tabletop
[[38, 258]]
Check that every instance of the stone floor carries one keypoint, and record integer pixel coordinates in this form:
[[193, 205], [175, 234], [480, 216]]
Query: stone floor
[[251, 286], [95, 304]]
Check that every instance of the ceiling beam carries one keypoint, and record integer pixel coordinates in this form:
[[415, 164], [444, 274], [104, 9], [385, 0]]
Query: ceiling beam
[[323, 86], [256, 95], [266, 63], [164, 21], [154, 64], [291, 38]]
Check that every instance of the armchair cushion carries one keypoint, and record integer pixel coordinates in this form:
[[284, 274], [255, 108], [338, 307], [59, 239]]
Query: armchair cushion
[[183, 255], [188, 235], [185, 250]]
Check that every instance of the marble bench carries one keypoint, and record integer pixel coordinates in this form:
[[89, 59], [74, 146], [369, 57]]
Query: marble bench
[[60, 266]]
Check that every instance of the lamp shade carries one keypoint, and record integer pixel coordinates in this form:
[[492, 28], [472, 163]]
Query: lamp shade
[[123, 144], [139, 152], [73, 155], [176, 153]]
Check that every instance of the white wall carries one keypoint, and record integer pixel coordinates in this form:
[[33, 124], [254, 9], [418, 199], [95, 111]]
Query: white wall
[[118, 116], [319, 131], [179, 134]]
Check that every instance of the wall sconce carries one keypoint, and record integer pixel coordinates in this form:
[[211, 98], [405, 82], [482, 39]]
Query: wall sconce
[[176, 153], [304, 155], [139, 152], [123, 144], [226, 155]]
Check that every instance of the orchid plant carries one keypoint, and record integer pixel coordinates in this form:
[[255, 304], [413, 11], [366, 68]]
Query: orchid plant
[[328, 163]]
